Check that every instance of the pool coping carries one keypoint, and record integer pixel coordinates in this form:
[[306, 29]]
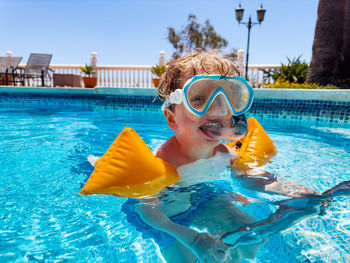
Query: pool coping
[[294, 94]]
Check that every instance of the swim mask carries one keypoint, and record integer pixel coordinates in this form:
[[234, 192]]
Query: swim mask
[[232, 94], [201, 91]]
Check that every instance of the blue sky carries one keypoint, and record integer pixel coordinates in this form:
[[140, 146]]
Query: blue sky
[[132, 32]]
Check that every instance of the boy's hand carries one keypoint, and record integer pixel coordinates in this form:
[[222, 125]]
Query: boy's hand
[[208, 248]]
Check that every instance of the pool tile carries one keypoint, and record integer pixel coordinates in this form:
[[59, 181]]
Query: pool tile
[[286, 110]]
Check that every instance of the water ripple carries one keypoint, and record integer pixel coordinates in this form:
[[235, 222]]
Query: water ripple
[[43, 166]]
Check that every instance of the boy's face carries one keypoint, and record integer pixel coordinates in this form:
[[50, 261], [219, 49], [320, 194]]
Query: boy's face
[[203, 110]]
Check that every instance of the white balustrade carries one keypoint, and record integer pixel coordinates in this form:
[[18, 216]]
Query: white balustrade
[[256, 74], [94, 62], [141, 76], [108, 76], [239, 61], [161, 61]]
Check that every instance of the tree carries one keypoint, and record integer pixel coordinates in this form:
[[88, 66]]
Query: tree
[[331, 47], [344, 66], [196, 37]]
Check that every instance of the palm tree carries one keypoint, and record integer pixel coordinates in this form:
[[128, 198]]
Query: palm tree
[[328, 42], [345, 63]]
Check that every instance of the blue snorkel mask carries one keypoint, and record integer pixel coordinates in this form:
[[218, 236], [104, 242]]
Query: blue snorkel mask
[[232, 94]]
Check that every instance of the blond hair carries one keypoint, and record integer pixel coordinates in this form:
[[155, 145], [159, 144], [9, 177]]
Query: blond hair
[[204, 62]]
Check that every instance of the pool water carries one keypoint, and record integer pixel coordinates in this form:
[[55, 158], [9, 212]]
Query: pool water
[[43, 165]]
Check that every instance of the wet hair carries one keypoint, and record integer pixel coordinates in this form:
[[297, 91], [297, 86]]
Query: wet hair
[[204, 62]]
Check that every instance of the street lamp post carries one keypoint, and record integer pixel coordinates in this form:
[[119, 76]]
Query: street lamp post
[[239, 16]]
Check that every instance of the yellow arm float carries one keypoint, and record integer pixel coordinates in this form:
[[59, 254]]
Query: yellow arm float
[[255, 149], [130, 169]]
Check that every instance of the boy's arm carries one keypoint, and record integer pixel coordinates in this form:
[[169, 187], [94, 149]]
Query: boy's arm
[[203, 245], [289, 213], [285, 187], [151, 213], [259, 180]]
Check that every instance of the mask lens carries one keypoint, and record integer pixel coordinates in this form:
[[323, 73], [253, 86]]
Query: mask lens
[[202, 91], [198, 94], [237, 93]]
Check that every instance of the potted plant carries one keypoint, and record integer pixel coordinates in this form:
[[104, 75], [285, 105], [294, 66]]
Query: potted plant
[[89, 81], [157, 71]]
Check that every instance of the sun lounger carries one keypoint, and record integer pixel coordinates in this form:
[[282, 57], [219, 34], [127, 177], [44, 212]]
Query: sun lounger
[[8, 66], [37, 67]]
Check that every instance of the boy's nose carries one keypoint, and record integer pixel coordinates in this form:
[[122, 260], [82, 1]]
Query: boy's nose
[[218, 107]]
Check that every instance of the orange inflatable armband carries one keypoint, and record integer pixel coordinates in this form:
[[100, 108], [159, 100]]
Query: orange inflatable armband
[[255, 149], [130, 169]]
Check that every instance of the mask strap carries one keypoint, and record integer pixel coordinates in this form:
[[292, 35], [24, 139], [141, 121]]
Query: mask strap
[[175, 97]]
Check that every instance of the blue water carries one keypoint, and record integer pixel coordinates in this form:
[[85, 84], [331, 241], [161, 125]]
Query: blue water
[[43, 165]]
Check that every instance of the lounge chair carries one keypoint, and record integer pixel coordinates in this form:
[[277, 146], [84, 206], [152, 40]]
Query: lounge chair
[[8, 66], [37, 67]]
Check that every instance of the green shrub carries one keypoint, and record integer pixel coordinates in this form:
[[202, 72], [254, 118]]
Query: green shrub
[[281, 84], [295, 71], [342, 83], [158, 70], [88, 69]]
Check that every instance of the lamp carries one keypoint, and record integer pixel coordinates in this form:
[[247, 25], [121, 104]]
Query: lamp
[[239, 16], [260, 14], [239, 13]]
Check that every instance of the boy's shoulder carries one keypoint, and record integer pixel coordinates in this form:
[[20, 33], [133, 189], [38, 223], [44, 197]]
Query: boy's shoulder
[[167, 152]]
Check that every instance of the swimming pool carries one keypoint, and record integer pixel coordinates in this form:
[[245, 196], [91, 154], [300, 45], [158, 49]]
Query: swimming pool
[[43, 165]]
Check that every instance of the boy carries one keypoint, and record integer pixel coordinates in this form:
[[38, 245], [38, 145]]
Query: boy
[[201, 116], [202, 96]]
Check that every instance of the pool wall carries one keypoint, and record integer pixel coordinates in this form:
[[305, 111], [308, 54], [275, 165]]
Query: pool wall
[[329, 107]]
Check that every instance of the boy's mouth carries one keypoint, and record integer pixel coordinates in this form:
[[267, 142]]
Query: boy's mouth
[[211, 129]]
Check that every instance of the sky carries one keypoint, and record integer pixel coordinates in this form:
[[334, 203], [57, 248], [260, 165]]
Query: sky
[[133, 32]]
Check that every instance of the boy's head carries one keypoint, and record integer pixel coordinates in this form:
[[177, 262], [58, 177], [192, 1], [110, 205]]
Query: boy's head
[[199, 63], [212, 95]]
